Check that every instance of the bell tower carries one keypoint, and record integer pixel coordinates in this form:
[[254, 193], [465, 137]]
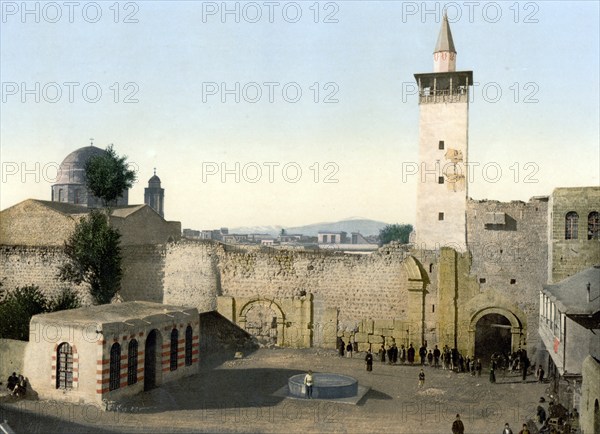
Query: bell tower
[[154, 195], [443, 145]]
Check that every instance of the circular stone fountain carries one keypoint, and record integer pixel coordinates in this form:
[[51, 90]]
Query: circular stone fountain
[[325, 386]]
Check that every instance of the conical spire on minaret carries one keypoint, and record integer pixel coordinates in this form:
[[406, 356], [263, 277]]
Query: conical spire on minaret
[[444, 55]]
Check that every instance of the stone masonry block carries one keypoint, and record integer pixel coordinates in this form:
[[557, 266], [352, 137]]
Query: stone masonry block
[[361, 337], [375, 339]]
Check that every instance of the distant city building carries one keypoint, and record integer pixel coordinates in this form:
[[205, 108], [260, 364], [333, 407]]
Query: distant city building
[[154, 195], [331, 237]]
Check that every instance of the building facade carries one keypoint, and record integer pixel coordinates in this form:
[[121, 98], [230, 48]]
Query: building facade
[[102, 354]]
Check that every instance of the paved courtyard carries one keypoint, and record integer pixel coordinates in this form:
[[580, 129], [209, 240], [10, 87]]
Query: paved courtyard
[[240, 396]]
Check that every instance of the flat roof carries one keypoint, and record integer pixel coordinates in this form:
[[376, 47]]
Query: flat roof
[[116, 312]]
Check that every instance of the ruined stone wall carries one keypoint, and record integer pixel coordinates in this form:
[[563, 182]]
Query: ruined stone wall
[[143, 273], [361, 286], [191, 276], [568, 257], [26, 265], [509, 261]]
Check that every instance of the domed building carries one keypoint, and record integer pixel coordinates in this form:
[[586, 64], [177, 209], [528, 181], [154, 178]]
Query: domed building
[[70, 185]]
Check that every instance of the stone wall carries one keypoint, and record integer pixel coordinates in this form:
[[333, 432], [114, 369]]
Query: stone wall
[[360, 286], [568, 257], [509, 260], [11, 358], [590, 397], [26, 265]]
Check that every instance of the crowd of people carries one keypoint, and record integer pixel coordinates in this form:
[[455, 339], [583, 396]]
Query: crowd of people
[[448, 359], [17, 385]]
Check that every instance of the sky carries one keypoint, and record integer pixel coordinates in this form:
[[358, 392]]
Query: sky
[[291, 113]]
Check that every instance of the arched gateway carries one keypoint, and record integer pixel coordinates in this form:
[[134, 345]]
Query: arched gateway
[[264, 319], [495, 330]]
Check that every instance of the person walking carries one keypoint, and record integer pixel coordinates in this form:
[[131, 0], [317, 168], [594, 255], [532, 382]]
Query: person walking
[[457, 426], [421, 378], [308, 384], [507, 429], [349, 350], [382, 353], [369, 361]]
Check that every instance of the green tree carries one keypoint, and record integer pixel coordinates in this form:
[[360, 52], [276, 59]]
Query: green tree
[[17, 308], [94, 257], [66, 299], [108, 175], [395, 232]]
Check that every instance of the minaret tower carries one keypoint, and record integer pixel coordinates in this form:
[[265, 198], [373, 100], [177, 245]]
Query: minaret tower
[[154, 196], [443, 140]]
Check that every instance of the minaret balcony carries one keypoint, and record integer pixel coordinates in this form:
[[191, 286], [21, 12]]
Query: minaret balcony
[[428, 96]]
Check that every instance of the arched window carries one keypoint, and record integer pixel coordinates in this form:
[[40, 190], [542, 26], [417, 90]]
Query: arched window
[[132, 362], [115, 367], [593, 225], [173, 359], [571, 223], [64, 367], [188, 345]]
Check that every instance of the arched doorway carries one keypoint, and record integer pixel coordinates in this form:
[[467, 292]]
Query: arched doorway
[[492, 335], [495, 330], [152, 360], [261, 322], [263, 319]]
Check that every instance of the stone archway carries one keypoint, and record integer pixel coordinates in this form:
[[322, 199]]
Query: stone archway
[[507, 324], [264, 319]]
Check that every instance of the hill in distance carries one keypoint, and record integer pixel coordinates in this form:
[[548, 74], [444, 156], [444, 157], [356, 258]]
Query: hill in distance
[[355, 224]]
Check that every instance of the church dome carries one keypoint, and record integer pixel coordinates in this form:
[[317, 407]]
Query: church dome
[[72, 169]]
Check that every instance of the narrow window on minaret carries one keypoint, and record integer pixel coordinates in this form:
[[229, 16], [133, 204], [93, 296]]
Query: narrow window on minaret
[[440, 216], [440, 179], [441, 145]]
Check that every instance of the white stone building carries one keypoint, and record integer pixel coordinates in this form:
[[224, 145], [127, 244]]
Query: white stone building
[[100, 354]]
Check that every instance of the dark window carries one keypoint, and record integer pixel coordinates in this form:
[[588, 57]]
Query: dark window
[[64, 366], [440, 216], [571, 224], [440, 179], [431, 268], [188, 345], [482, 280], [593, 226], [132, 362], [173, 359], [441, 144], [513, 281], [324, 238], [115, 367], [433, 308]]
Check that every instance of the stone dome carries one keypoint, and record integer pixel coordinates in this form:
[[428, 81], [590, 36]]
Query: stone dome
[[72, 169]]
